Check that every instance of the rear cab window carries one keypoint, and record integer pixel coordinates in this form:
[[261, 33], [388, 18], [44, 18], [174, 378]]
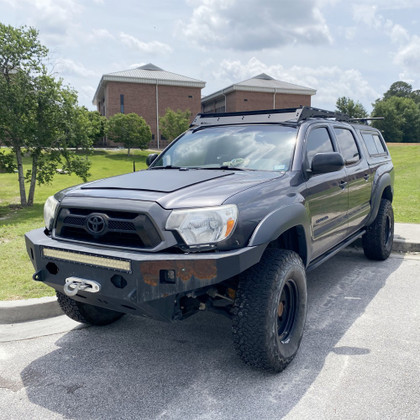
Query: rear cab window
[[374, 143]]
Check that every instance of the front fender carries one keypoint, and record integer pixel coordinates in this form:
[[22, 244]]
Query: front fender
[[278, 222]]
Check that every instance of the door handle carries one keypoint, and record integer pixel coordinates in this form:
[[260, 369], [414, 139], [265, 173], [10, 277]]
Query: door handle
[[342, 184]]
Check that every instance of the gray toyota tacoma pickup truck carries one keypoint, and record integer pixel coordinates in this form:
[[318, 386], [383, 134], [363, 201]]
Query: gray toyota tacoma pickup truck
[[228, 218]]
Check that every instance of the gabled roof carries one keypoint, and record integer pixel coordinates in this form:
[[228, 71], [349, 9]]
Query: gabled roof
[[147, 74], [262, 83]]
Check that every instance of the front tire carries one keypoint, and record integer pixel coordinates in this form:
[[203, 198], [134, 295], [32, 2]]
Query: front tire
[[379, 236], [85, 313], [270, 311]]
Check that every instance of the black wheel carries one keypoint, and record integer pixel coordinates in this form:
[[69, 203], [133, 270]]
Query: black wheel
[[379, 236], [270, 311], [85, 313]]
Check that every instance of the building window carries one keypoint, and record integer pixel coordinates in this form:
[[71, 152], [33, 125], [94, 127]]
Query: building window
[[122, 104], [190, 96], [245, 100]]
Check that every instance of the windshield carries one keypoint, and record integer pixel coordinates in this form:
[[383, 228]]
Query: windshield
[[255, 147]]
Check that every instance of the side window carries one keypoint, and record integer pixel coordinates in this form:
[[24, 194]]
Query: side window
[[373, 143], [370, 143], [347, 145], [318, 141], [379, 145]]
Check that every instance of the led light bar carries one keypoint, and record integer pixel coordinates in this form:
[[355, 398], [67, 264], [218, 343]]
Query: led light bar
[[89, 259]]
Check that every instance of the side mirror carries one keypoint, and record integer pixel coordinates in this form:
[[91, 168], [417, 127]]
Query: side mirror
[[327, 162], [151, 158]]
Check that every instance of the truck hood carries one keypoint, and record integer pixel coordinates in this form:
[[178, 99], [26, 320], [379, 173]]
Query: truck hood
[[175, 188]]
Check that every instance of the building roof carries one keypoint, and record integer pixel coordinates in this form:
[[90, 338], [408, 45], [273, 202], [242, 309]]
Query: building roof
[[147, 74], [262, 83]]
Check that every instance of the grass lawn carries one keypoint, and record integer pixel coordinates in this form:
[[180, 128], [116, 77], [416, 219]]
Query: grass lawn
[[16, 270], [406, 159]]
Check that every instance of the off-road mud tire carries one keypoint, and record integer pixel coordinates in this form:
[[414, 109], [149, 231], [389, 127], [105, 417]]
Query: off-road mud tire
[[85, 313], [379, 236], [262, 338]]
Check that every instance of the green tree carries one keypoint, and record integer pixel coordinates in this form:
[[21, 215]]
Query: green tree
[[415, 96], [349, 107], [401, 121], [129, 129], [172, 124], [97, 129], [400, 89], [39, 117]]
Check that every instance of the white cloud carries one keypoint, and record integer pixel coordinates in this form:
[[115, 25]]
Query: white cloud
[[350, 33], [67, 66], [366, 14], [100, 34], [254, 25], [154, 47], [408, 56], [52, 13], [56, 20], [399, 35], [86, 93]]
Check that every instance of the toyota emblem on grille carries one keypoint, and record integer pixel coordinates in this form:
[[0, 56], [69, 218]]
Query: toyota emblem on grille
[[95, 224]]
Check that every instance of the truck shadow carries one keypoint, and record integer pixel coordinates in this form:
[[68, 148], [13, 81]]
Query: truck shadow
[[140, 368]]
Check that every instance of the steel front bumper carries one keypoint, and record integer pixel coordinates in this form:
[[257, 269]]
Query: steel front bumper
[[133, 282]]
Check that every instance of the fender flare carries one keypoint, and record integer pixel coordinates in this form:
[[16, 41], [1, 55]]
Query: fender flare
[[384, 182], [279, 221]]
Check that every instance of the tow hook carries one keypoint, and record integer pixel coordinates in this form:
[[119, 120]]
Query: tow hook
[[75, 284]]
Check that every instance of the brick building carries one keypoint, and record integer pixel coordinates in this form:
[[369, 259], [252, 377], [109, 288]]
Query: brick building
[[148, 91], [260, 92]]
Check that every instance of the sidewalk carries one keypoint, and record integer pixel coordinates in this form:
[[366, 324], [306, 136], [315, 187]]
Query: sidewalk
[[406, 239]]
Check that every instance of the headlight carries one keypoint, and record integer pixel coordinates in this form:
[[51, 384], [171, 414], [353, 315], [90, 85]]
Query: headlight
[[49, 211], [205, 225]]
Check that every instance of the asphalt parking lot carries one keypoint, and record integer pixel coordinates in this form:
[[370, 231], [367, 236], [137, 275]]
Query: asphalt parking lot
[[359, 358]]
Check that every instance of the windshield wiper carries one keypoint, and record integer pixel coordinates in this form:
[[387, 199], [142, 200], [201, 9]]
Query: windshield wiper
[[212, 168], [233, 168], [167, 167]]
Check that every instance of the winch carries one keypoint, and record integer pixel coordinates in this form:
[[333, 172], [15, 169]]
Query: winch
[[75, 284]]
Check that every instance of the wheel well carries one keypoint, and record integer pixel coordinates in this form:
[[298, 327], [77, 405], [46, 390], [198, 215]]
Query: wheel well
[[387, 193], [294, 240]]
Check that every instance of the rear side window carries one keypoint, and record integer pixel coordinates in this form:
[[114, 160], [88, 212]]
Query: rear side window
[[373, 143], [370, 143], [379, 144], [318, 141], [347, 145]]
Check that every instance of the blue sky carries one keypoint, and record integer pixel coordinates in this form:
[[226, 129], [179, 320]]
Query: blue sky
[[341, 48]]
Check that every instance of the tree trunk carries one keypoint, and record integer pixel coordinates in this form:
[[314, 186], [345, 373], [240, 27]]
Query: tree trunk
[[21, 177], [33, 179]]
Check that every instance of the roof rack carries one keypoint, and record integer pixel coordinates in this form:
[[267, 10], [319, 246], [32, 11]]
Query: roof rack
[[365, 119], [310, 112], [261, 116], [290, 115]]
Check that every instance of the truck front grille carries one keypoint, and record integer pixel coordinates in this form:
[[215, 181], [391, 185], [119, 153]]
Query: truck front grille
[[114, 228]]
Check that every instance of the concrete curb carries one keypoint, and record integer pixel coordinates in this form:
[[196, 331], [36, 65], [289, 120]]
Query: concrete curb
[[16, 311], [406, 237], [401, 245]]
